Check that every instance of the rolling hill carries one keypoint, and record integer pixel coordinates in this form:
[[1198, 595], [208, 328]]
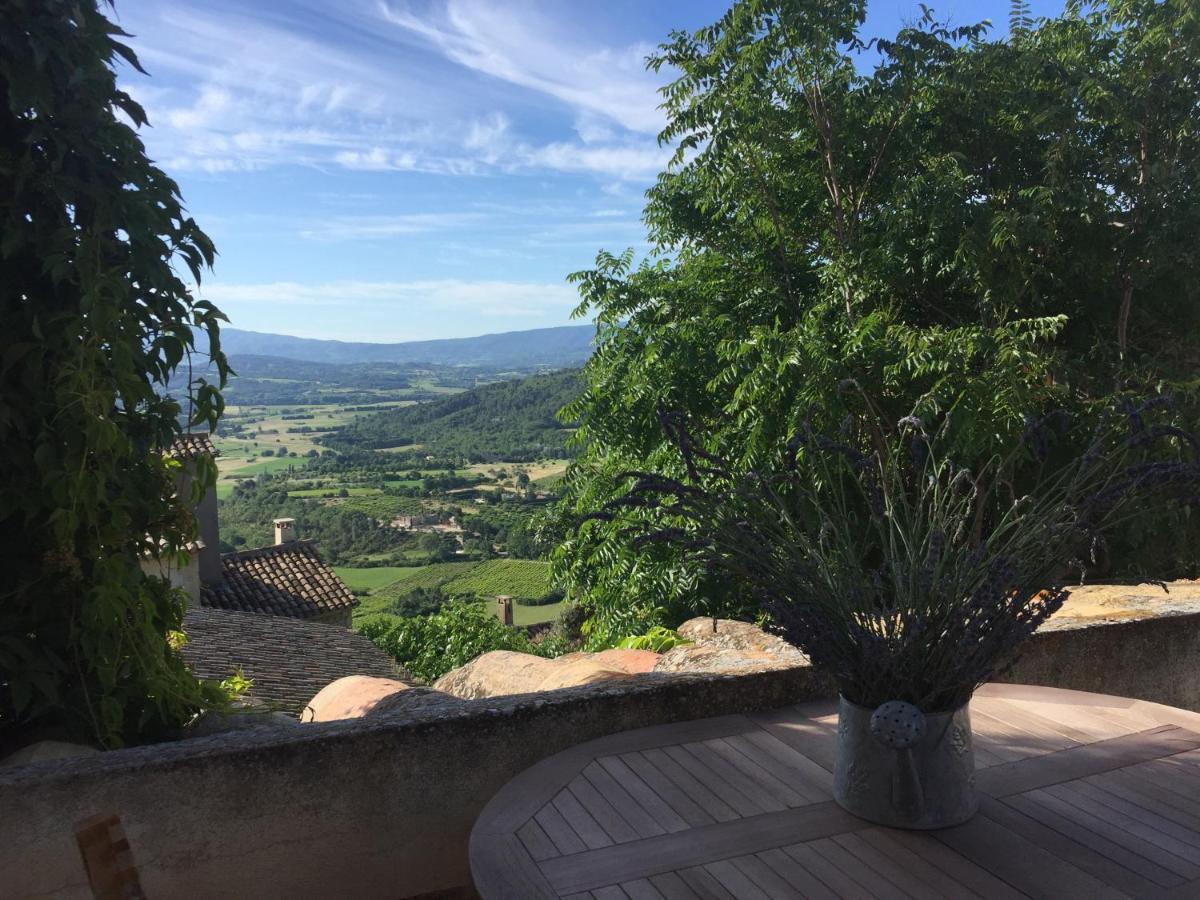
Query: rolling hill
[[510, 420]]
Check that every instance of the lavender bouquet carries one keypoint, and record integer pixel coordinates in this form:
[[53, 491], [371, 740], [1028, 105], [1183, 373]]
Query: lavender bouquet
[[905, 574]]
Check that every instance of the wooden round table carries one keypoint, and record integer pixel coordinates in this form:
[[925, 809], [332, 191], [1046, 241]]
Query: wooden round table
[[1082, 795]]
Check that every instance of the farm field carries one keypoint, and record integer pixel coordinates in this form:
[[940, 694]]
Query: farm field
[[487, 579], [380, 506], [251, 466], [266, 428], [373, 579], [321, 498], [335, 490], [514, 577], [535, 470]]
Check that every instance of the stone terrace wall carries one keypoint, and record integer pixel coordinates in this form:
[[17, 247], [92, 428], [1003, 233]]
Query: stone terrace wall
[[382, 807]]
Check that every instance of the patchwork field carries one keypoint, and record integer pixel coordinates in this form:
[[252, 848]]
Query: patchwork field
[[518, 578]]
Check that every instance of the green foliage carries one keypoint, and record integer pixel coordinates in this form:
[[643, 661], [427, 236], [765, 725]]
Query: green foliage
[[433, 577], [419, 602], [510, 420], [371, 579], [96, 319], [658, 639], [975, 228], [430, 646], [517, 578], [899, 571], [341, 531], [236, 684]]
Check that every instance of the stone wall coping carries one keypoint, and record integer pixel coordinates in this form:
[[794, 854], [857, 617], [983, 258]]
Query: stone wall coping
[[1092, 605], [1088, 607], [453, 713]]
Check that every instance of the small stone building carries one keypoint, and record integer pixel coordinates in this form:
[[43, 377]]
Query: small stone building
[[289, 579]]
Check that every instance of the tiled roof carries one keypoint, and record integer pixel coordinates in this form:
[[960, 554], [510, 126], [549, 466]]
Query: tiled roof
[[287, 660], [193, 444], [283, 580]]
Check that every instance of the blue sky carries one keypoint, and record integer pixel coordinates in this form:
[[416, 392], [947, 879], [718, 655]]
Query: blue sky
[[389, 170]]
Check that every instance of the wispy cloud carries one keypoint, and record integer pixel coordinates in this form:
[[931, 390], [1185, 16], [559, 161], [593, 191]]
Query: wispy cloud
[[607, 81], [385, 88]]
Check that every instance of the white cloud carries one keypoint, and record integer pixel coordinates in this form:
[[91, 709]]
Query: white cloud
[[454, 87], [212, 103], [592, 129], [638, 162], [377, 159], [484, 36], [487, 133]]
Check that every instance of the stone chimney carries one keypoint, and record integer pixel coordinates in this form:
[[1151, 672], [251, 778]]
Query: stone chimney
[[210, 537], [504, 610], [285, 531]]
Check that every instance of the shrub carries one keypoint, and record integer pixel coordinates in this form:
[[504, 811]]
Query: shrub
[[545, 600], [658, 639], [97, 317], [899, 571], [430, 646]]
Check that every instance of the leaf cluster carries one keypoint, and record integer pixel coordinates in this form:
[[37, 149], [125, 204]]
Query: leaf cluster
[[943, 222], [97, 259], [898, 570]]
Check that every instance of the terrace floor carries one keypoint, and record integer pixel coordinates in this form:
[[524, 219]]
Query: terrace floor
[[1082, 795]]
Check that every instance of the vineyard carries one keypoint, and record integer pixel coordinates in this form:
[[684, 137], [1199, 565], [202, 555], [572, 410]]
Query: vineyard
[[517, 578], [434, 577], [523, 578]]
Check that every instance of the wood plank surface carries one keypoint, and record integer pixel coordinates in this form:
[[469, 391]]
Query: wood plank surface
[[583, 871], [1081, 795]]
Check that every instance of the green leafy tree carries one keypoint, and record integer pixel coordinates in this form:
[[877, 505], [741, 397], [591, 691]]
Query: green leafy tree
[[430, 646], [94, 248], [975, 229]]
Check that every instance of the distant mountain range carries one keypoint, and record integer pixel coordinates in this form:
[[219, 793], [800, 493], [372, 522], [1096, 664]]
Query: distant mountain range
[[561, 347]]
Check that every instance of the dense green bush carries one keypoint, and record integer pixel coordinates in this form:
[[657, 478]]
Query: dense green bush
[[430, 646], [977, 229], [96, 318]]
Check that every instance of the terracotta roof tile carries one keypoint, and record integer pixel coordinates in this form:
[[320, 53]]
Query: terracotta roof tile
[[287, 660], [283, 580], [193, 444]]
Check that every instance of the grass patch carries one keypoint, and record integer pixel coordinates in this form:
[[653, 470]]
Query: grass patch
[[374, 578], [535, 615]]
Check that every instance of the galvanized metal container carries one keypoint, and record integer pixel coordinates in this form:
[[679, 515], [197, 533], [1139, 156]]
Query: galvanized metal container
[[921, 780]]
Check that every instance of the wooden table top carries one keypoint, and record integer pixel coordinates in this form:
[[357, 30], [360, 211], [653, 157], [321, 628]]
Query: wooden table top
[[1082, 795]]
